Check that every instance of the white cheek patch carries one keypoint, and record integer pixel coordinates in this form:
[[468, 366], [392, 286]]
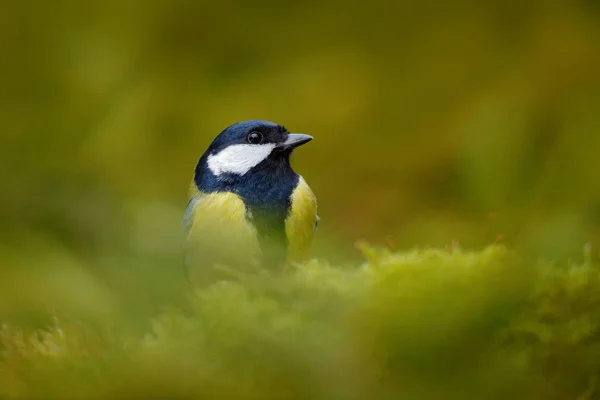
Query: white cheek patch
[[239, 158]]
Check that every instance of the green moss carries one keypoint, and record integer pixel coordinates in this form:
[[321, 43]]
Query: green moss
[[425, 324]]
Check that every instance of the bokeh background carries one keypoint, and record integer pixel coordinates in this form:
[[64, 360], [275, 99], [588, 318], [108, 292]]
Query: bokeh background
[[468, 121], [457, 123]]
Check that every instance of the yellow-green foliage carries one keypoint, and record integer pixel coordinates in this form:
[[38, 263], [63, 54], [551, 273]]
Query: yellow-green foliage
[[424, 324], [432, 120]]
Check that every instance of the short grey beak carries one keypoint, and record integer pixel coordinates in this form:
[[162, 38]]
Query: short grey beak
[[296, 139]]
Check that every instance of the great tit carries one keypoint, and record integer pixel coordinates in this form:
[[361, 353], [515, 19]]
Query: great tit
[[247, 207]]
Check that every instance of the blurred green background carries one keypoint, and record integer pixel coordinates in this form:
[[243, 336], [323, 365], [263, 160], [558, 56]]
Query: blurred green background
[[468, 121], [434, 122]]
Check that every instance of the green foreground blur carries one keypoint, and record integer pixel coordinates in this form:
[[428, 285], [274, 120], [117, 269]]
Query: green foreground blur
[[424, 324]]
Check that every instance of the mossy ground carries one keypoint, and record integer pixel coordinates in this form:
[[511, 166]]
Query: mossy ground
[[422, 324]]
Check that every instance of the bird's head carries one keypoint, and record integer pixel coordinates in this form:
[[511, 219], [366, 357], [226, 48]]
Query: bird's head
[[251, 145]]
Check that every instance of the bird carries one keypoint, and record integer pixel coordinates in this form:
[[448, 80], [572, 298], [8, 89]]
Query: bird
[[247, 207]]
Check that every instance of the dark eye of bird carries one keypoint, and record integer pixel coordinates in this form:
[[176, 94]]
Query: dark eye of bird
[[255, 137]]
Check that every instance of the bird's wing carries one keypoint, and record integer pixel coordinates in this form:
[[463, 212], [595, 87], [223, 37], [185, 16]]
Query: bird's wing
[[302, 220], [187, 217]]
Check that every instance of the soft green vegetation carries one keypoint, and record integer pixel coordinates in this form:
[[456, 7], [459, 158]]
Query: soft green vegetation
[[432, 121], [466, 120], [422, 324]]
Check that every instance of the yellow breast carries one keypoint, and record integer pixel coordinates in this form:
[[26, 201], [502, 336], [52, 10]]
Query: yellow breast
[[219, 231], [301, 221], [218, 228]]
